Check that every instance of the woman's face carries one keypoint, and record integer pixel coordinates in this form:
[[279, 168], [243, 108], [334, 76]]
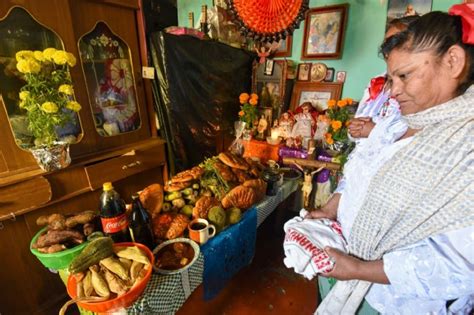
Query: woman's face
[[418, 80]]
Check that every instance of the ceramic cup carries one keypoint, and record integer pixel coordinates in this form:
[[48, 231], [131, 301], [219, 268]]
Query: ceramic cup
[[201, 231]]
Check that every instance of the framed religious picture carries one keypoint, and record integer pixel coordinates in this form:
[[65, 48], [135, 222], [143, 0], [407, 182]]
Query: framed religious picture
[[341, 76], [282, 48], [400, 8], [304, 71], [318, 72], [329, 75], [324, 32], [318, 93], [268, 67], [264, 122]]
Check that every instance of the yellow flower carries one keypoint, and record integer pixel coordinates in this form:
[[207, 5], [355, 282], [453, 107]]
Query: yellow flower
[[253, 101], [341, 103], [74, 106], [49, 107], [71, 60], [48, 53], [349, 101], [66, 89], [22, 104], [253, 95], [241, 113], [38, 55], [331, 103], [328, 138], [60, 57], [336, 125], [28, 66], [24, 95], [243, 98], [23, 55]]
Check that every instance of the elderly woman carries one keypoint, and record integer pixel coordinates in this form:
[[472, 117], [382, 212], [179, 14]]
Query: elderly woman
[[411, 240]]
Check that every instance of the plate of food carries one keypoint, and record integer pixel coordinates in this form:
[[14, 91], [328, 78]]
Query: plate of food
[[175, 256]]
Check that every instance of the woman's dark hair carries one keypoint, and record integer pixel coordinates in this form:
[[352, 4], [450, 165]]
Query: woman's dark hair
[[403, 22], [435, 31]]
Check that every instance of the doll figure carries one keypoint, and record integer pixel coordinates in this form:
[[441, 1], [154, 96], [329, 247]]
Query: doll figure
[[263, 53], [322, 126], [304, 122], [285, 125]]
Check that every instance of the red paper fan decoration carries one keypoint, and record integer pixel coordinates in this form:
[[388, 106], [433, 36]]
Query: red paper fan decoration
[[267, 20]]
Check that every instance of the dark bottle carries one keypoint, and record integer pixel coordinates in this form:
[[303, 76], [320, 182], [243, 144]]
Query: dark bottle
[[140, 224], [112, 215]]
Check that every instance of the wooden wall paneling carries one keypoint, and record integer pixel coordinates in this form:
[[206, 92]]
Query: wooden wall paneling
[[122, 22]]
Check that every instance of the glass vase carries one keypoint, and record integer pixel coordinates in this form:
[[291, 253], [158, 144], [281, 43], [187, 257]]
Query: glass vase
[[52, 158]]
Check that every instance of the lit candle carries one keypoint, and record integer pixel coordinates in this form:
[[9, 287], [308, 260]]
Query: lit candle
[[275, 133]]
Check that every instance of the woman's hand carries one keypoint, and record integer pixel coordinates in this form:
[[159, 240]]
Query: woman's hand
[[348, 267], [328, 211], [361, 127]]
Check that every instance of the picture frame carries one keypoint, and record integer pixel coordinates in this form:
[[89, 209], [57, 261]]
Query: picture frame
[[304, 72], [341, 76], [283, 48], [401, 8], [329, 75], [318, 93], [324, 32], [269, 65]]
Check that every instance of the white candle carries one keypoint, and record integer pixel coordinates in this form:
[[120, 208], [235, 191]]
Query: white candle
[[275, 133]]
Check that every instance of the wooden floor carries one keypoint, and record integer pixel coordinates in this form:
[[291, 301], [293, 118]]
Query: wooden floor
[[264, 287]]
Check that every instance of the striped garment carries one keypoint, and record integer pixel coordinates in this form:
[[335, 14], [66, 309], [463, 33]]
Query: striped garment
[[427, 188]]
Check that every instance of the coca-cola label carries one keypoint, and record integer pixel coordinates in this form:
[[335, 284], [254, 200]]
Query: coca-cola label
[[115, 224]]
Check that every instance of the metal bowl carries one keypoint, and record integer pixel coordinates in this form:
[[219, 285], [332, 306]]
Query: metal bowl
[[193, 244]]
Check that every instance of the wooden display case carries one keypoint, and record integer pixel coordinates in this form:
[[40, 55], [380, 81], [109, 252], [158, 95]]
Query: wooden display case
[[131, 159]]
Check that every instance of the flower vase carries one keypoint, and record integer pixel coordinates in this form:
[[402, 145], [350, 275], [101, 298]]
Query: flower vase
[[336, 148], [52, 158]]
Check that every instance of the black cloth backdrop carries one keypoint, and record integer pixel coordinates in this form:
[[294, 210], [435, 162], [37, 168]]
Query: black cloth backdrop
[[196, 93]]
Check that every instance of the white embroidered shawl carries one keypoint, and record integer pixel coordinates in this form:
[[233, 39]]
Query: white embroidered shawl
[[427, 188]]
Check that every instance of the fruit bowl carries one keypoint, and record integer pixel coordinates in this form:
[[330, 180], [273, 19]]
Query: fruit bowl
[[123, 301], [59, 260]]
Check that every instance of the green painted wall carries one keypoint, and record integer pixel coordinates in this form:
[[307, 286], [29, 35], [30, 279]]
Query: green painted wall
[[364, 33]]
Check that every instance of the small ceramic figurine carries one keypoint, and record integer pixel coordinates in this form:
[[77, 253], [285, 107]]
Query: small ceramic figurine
[[286, 125], [263, 53], [304, 122], [262, 127], [322, 126]]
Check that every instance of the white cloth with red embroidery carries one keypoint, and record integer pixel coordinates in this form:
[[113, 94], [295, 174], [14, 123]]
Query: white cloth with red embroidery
[[305, 241]]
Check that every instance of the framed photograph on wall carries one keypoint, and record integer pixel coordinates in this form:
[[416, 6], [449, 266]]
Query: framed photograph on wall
[[318, 93], [324, 32], [268, 67], [329, 75], [304, 70], [400, 8], [341, 76], [282, 48]]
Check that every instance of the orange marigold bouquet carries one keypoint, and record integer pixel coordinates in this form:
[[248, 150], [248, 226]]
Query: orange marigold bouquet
[[339, 116], [248, 109]]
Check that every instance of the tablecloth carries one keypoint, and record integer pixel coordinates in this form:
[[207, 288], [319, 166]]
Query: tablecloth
[[165, 294]]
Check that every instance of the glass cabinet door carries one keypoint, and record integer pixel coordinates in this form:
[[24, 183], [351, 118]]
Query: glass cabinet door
[[20, 31], [107, 66]]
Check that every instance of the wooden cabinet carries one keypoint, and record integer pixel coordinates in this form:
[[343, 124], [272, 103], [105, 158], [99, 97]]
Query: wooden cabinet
[[125, 151]]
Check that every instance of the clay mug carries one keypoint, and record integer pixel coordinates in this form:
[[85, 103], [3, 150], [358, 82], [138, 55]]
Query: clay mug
[[201, 231]]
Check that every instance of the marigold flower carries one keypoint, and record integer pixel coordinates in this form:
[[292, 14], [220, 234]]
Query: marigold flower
[[38, 55], [241, 113], [60, 57], [253, 101], [23, 54], [331, 103], [22, 104], [244, 97], [341, 103], [328, 138], [253, 95], [336, 125], [347, 123], [24, 95], [48, 53], [349, 101], [28, 66], [66, 89], [71, 60], [49, 107], [74, 106]]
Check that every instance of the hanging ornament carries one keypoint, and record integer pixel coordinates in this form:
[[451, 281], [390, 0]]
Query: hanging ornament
[[267, 20]]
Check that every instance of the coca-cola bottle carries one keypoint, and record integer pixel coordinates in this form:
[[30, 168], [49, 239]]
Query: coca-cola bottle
[[140, 224], [112, 214]]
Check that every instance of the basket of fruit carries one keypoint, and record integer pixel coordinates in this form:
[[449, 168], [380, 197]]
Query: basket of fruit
[[62, 239], [106, 277]]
